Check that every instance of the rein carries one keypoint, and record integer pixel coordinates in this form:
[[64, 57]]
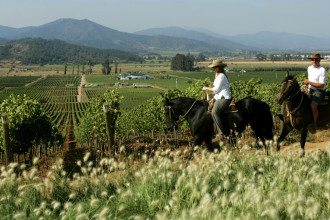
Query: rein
[[290, 113], [184, 116]]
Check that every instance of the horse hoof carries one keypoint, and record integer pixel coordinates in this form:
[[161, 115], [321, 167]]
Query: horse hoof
[[302, 154]]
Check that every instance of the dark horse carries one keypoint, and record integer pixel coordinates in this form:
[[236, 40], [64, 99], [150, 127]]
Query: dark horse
[[296, 111], [250, 111]]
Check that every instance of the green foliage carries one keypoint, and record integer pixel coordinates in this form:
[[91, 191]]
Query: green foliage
[[242, 89], [145, 117], [28, 124], [92, 127], [195, 90], [150, 115], [256, 89]]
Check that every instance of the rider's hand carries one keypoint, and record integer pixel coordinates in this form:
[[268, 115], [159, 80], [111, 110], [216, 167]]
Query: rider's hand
[[306, 82]]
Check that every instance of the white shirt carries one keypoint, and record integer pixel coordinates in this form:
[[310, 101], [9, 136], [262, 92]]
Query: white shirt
[[221, 87], [317, 75]]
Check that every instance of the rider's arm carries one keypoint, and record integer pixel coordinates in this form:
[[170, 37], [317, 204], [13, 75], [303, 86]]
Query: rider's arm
[[315, 84], [208, 89]]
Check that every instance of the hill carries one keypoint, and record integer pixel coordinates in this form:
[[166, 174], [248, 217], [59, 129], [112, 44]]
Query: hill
[[88, 33], [41, 51]]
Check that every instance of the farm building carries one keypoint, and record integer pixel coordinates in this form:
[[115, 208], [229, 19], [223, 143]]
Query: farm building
[[130, 76]]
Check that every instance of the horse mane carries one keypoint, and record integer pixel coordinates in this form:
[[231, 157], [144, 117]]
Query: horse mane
[[198, 102], [289, 77]]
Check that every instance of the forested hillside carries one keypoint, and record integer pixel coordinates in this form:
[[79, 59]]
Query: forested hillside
[[41, 51]]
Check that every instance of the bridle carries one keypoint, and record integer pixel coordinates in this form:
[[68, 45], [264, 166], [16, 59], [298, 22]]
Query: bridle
[[290, 113], [172, 115]]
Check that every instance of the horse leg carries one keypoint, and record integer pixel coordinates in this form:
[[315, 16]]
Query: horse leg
[[263, 141], [303, 137], [209, 145], [285, 129], [197, 142]]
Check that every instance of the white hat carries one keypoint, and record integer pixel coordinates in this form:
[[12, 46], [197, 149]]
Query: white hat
[[217, 63]]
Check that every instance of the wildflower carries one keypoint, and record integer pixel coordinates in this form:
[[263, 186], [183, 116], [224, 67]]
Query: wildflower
[[35, 160], [87, 155], [104, 194], [82, 216], [19, 215], [103, 214], [122, 149], [226, 184], [56, 205], [67, 205], [23, 166], [94, 202], [79, 163], [90, 164], [72, 196]]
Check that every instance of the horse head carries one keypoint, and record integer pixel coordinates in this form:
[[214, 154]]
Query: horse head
[[172, 114], [182, 106], [290, 87]]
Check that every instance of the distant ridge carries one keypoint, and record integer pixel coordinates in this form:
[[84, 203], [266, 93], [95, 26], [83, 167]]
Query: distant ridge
[[264, 40], [283, 41], [88, 33], [195, 35], [175, 39]]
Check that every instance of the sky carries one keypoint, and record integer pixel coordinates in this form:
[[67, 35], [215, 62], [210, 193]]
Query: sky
[[228, 17]]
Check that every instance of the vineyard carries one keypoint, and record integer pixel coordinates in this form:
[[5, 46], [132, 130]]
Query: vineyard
[[57, 94], [125, 178]]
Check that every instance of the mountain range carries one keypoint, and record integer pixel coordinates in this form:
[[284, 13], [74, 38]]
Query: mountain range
[[264, 40], [87, 33]]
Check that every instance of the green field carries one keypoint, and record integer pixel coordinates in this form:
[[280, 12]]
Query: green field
[[131, 96]]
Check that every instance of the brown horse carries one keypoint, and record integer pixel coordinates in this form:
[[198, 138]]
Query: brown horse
[[296, 111]]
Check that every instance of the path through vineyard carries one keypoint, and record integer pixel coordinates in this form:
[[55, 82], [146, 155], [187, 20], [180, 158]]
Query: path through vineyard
[[82, 96], [321, 142]]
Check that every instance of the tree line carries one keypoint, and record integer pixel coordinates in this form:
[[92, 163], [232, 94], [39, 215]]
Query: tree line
[[281, 57]]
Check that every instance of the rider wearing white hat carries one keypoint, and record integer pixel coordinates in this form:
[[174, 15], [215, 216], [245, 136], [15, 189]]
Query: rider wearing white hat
[[221, 91]]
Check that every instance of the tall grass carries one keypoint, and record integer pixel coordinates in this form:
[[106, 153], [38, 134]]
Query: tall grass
[[224, 185]]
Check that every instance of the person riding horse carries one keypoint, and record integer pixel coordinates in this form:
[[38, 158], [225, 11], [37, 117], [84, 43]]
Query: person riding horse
[[222, 94], [316, 82]]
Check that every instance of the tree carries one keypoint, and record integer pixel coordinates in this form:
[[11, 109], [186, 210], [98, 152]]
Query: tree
[[116, 65], [65, 68], [182, 62], [106, 68]]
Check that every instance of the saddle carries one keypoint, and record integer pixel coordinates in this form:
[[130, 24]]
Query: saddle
[[231, 108], [325, 100]]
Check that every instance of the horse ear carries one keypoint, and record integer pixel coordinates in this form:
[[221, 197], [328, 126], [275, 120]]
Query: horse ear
[[166, 101], [287, 74]]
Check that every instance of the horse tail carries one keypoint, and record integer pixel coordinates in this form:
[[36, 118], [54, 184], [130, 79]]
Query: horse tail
[[257, 113]]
